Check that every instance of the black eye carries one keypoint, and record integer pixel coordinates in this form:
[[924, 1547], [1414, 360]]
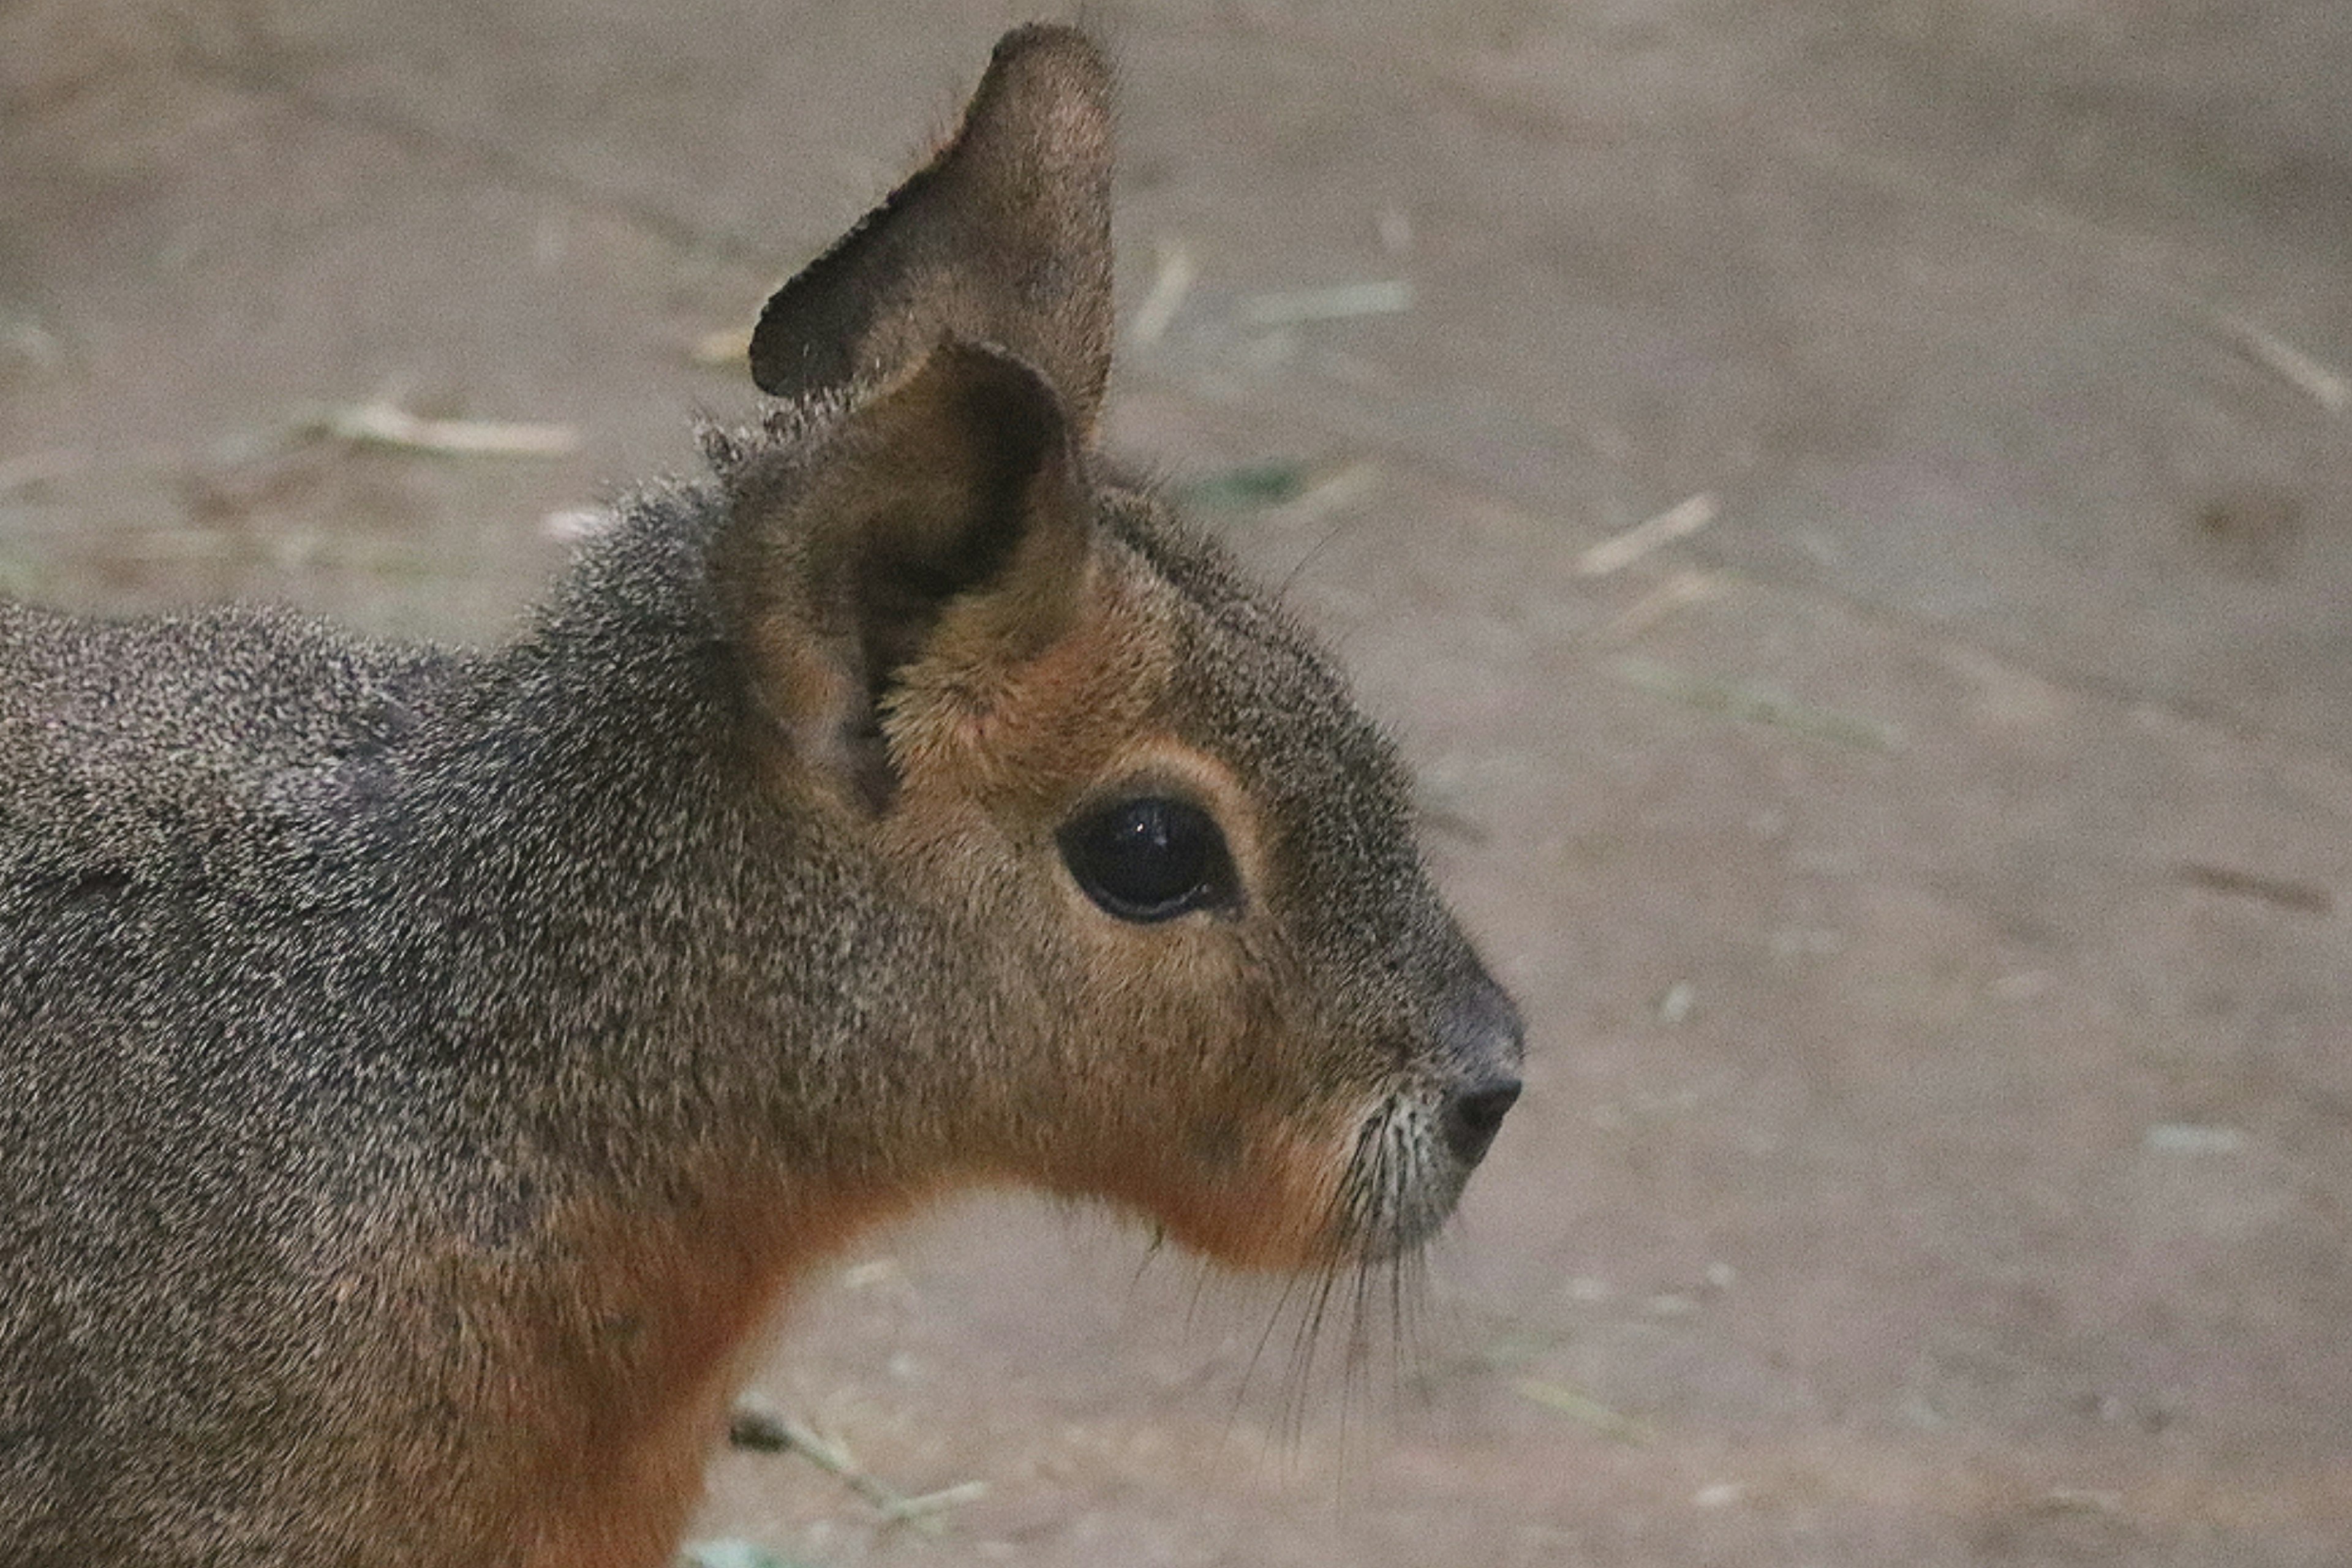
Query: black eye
[[1150, 859]]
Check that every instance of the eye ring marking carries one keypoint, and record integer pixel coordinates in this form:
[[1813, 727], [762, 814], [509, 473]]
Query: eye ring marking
[[1149, 858]]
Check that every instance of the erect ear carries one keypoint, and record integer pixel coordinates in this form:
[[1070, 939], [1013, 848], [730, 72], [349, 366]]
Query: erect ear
[[958, 486], [1004, 238]]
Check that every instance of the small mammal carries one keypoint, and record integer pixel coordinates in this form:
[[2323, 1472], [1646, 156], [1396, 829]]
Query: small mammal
[[422, 1073]]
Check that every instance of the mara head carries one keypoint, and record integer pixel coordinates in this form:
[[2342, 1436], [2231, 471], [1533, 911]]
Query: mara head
[[1199, 970]]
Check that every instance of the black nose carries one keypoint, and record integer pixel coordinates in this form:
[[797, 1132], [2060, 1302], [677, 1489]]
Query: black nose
[[1484, 1041], [1474, 1116]]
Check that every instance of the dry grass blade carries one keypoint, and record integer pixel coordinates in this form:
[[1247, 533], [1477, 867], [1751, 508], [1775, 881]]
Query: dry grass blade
[[1178, 272], [1582, 1407], [1336, 302], [2329, 388], [729, 347], [730, 1553], [2191, 1138], [386, 424], [772, 1432], [916, 1509], [1676, 593], [1622, 550]]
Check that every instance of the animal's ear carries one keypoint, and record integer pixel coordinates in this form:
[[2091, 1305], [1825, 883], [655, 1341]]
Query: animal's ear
[[958, 489], [1004, 238]]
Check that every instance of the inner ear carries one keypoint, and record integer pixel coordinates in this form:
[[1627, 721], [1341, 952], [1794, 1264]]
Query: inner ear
[[1004, 237], [959, 487]]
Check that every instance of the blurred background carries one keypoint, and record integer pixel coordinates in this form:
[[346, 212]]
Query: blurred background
[[1848, 506]]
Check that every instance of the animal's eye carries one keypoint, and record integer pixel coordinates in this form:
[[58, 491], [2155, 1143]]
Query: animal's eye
[[1150, 858]]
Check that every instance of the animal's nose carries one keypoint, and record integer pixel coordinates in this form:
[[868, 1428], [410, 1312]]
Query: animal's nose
[[1484, 1041], [1474, 1116]]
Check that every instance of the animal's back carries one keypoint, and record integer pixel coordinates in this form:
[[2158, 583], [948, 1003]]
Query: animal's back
[[162, 830], [107, 723], [184, 805]]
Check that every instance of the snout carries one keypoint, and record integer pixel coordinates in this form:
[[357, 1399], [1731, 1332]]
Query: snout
[[1417, 1148], [1483, 1043]]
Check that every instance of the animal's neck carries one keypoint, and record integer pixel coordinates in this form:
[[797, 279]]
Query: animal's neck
[[693, 1118], [628, 1337]]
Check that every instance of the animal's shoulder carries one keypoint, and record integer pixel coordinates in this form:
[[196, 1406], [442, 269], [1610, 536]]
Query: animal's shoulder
[[195, 714]]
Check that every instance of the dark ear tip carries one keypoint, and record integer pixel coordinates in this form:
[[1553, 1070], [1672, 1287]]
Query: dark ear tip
[[1053, 56], [1022, 191], [1046, 92]]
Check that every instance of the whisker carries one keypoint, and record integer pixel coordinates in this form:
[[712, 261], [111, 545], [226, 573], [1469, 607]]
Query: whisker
[[1298, 1382], [1380, 1212], [1199, 1293], [1290, 578], [1151, 1250], [1249, 1368]]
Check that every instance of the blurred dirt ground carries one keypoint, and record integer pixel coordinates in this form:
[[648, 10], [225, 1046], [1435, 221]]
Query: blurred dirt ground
[[1925, 857]]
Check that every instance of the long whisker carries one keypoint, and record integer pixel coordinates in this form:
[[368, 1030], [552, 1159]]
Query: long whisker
[[1380, 1210], [1257, 1350]]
